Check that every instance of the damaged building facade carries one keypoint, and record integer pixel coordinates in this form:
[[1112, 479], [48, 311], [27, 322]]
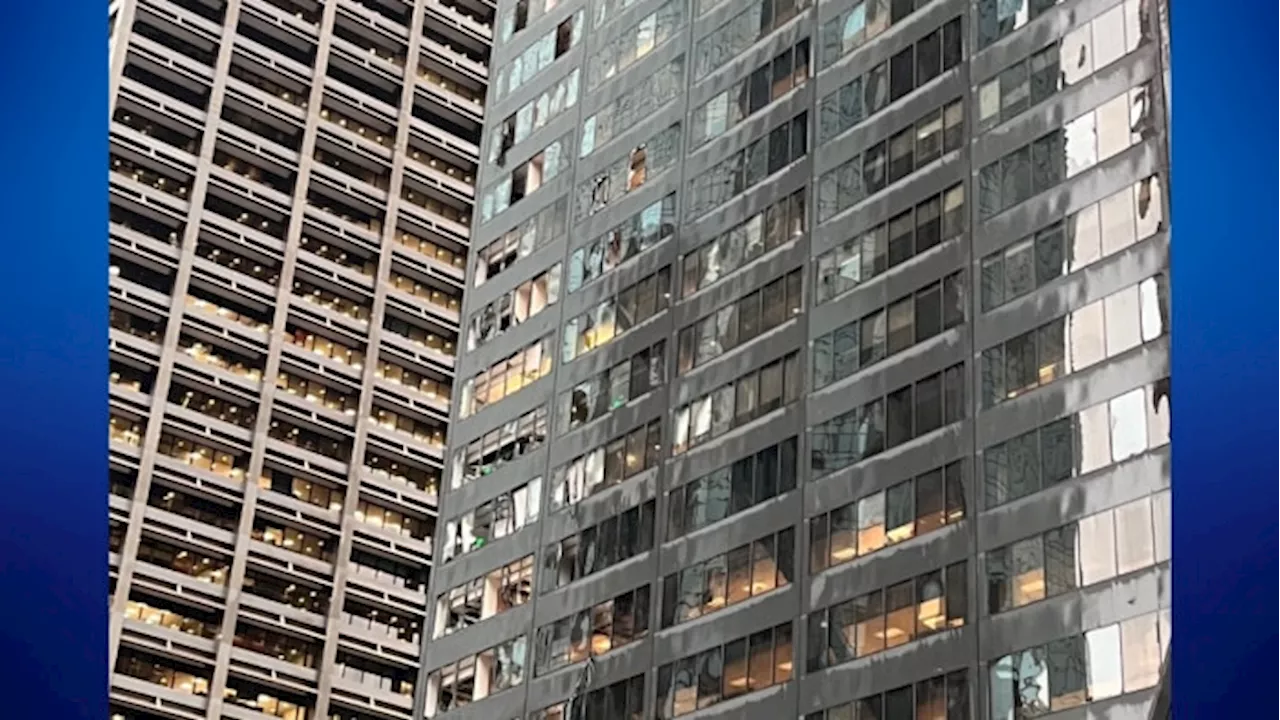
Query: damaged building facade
[[814, 365]]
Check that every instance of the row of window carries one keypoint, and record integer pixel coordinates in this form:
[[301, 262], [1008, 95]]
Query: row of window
[[305, 438], [629, 172], [944, 697], [613, 317], [520, 241], [435, 389], [737, 403], [476, 677], [537, 57], [999, 18], [383, 467], [622, 457], [480, 598], [872, 91], [131, 378], [340, 304], [1099, 230], [635, 42], [911, 508], [213, 569], [208, 568], [306, 491], [866, 256], [732, 489], [217, 407], [719, 47], [394, 521], [740, 322], [493, 520], [614, 540], [518, 16], [507, 377], [755, 662], [433, 295], [526, 178], [1091, 550], [746, 168], [227, 310], [594, 631], [621, 243], [290, 649], [499, 446], [340, 352], [1067, 673], [405, 628], [1103, 434], [883, 163], [180, 677], [1079, 340], [373, 568], [1077, 55], [623, 700], [929, 311], [353, 358], [374, 675], [924, 618], [730, 578], [884, 423], [323, 444], [608, 10], [1061, 154], [272, 532], [267, 700], [164, 182], [635, 104], [196, 507], [767, 83], [736, 247], [153, 331], [266, 272], [455, 258], [514, 307], [611, 389], [429, 432], [532, 116], [861, 24], [176, 676], [197, 455], [411, 332], [318, 345], [930, 603]]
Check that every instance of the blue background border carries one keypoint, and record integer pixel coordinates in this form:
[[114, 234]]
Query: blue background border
[[53, 219], [1223, 283], [52, 532]]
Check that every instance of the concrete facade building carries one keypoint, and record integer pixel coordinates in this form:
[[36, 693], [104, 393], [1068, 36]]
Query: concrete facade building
[[291, 189], [814, 364]]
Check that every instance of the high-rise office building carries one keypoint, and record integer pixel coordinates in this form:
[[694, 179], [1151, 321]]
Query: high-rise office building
[[814, 364], [291, 190]]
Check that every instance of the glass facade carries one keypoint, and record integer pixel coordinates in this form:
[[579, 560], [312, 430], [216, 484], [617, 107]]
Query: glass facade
[[861, 401]]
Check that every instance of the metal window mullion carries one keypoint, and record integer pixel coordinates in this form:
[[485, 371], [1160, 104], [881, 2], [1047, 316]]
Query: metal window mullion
[[971, 266]]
